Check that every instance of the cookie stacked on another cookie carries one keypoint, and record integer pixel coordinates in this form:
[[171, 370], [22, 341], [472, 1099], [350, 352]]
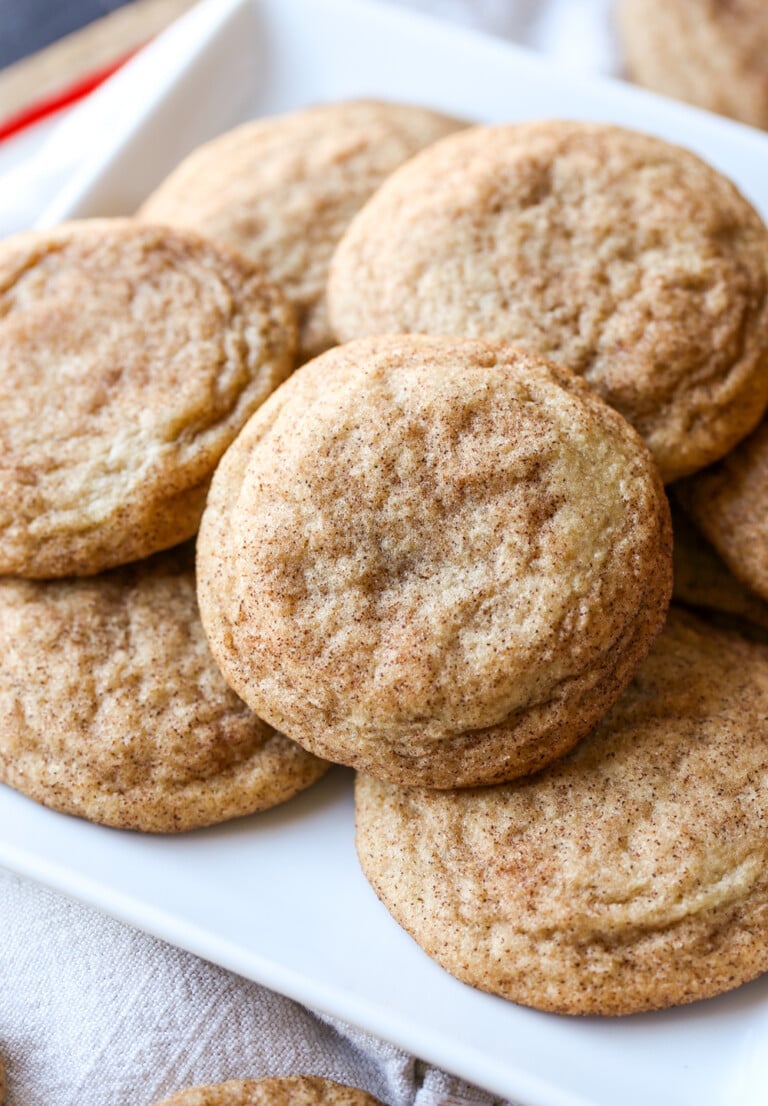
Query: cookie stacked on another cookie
[[130, 357], [636, 265], [621, 257], [439, 561], [284, 189], [433, 555], [707, 52]]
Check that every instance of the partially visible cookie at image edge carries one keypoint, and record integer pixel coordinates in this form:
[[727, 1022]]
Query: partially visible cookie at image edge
[[288, 1090], [703, 581], [112, 708], [130, 356], [708, 52], [631, 875], [619, 256], [728, 503]]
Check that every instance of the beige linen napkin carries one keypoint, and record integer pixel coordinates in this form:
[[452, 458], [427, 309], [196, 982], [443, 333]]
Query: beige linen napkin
[[94, 1013]]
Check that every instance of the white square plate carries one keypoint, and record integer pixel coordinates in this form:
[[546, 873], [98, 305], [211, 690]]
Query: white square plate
[[279, 897]]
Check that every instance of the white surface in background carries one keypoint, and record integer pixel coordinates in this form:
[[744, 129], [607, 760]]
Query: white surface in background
[[35, 166], [279, 897], [575, 33]]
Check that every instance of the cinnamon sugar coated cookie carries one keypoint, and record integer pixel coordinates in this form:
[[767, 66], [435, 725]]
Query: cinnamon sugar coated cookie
[[632, 875], [713, 53], [621, 257], [438, 561], [728, 503], [284, 189], [289, 1090], [130, 356], [111, 706]]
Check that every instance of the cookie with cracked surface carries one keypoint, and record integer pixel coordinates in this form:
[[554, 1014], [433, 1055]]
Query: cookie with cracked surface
[[727, 503], [284, 189], [130, 356], [621, 257], [112, 708], [439, 561], [632, 875], [709, 52], [289, 1090]]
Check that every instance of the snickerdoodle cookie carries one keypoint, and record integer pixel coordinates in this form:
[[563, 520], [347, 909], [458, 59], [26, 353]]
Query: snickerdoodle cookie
[[728, 503], [709, 52], [130, 356], [112, 708], [703, 581], [284, 189], [631, 875], [436, 560], [288, 1090], [623, 258]]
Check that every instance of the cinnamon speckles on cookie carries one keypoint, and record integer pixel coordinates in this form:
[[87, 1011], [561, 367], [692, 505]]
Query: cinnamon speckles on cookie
[[284, 189], [632, 875], [112, 708], [709, 52], [130, 356], [436, 560], [621, 257]]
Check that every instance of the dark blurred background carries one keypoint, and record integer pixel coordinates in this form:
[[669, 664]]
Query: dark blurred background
[[28, 25]]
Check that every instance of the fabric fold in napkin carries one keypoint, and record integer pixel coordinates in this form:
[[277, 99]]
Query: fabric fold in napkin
[[94, 1013]]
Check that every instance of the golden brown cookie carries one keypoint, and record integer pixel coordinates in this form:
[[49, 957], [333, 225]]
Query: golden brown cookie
[[112, 708], [621, 257], [728, 504], [703, 581], [709, 52], [130, 356], [632, 875], [284, 189], [439, 561], [289, 1090]]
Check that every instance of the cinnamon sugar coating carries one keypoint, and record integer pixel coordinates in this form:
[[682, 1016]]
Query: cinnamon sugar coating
[[631, 875], [130, 356], [435, 560], [112, 708], [284, 189], [709, 52], [290, 1090], [619, 256]]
